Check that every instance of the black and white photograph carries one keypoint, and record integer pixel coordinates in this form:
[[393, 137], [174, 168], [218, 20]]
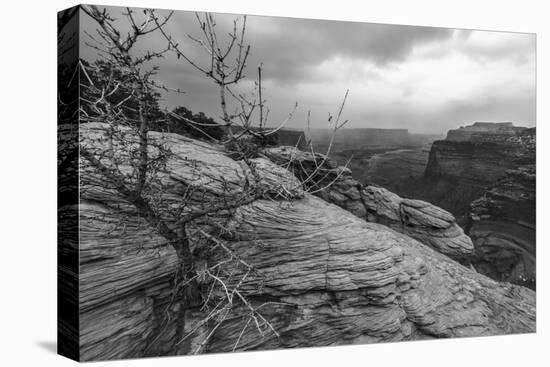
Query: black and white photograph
[[232, 183]]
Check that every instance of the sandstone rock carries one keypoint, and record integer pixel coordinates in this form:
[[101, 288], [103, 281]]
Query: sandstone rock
[[427, 223], [418, 219], [494, 167], [502, 227], [480, 160], [326, 277]]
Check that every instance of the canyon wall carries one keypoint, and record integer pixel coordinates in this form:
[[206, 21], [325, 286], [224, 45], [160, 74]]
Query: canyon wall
[[503, 228], [482, 158], [489, 169], [351, 138]]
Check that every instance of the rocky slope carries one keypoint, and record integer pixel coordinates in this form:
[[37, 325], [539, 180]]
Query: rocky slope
[[427, 223], [325, 276], [503, 228]]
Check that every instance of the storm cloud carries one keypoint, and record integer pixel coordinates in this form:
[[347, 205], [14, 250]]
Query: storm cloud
[[425, 79]]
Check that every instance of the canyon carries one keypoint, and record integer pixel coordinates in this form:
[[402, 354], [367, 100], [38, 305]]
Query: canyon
[[490, 170], [484, 174], [391, 158], [502, 225]]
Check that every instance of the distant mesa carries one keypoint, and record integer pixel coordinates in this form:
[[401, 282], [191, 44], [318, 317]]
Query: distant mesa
[[480, 129], [361, 137], [481, 153]]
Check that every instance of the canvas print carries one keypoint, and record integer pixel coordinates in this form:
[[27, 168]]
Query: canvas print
[[231, 183]]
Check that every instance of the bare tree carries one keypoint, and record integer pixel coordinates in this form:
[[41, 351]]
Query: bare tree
[[225, 67], [320, 177], [251, 113], [96, 106], [130, 77]]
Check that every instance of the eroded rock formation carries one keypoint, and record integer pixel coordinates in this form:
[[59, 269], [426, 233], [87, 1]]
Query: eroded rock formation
[[326, 277], [427, 223], [502, 227], [493, 170], [481, 158]]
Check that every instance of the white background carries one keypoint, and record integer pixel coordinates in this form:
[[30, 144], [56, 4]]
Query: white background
[[28, 182]]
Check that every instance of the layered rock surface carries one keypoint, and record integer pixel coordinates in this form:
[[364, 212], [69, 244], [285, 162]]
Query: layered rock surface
[[480, 159], [427, 223], [327, 277]]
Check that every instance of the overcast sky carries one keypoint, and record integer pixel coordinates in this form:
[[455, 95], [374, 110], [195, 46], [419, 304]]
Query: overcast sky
[[424, 79]]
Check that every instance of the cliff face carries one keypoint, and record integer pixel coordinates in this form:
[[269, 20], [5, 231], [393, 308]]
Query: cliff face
[[503, 228], [481, 159], [395, 169], [322, 275], [492, 168]]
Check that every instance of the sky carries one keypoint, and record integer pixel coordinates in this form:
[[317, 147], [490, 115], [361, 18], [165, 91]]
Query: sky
[[424, 79]]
